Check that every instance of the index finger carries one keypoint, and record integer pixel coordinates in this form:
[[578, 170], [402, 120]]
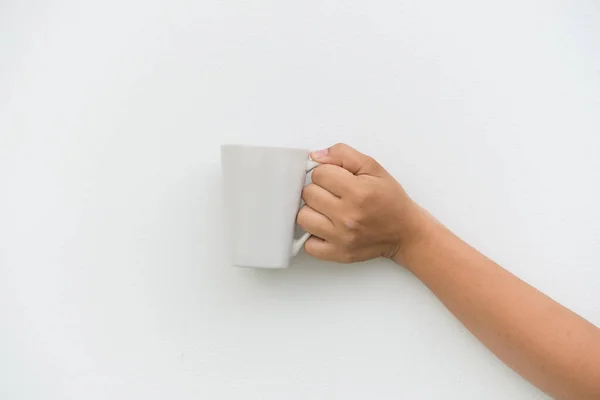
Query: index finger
[[346, 157], [334, 179]]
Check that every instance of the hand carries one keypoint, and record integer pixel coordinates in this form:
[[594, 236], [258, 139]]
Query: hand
[[356, 210]]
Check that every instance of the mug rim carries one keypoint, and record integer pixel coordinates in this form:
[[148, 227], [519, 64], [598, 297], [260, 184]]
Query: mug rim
[[249, 146]]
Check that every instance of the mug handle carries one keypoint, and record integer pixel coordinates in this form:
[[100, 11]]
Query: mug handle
[[299, 243]]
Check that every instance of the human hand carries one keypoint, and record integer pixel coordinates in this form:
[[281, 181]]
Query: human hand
[[356, 210]]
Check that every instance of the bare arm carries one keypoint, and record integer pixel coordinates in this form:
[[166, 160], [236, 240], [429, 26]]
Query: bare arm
[[547, 344], [358, 211]]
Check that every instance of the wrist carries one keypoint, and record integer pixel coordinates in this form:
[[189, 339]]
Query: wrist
[[421, 236]]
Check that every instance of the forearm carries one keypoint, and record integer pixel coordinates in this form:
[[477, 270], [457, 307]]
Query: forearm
[[547, 344], [357, 211]]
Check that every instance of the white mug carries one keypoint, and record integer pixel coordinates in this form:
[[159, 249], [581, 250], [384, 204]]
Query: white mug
[[262, 187]]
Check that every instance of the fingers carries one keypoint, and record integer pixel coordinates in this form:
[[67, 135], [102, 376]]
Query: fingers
[[320, 199], [320, 249], [335, 179], [315, 223], [346, 157]]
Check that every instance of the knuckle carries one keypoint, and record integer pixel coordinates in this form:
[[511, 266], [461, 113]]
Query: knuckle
[[319, 172], [350, 224], [370, 160], [340, 146], [308, 190], [370, 164], [354, 219], [302, 217], [322, 170], [310, 249]]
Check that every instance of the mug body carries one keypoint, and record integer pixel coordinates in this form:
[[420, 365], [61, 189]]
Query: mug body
[[262, 188]]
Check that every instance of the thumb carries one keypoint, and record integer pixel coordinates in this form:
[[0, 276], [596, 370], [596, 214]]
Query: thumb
[[346, 157]]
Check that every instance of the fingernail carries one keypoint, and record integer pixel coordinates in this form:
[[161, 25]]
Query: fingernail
[[320, 153]]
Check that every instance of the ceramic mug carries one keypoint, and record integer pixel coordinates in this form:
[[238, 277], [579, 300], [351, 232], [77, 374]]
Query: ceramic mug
[[262, 189]]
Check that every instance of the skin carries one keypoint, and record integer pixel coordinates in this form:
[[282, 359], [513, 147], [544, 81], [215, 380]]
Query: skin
[[357, 211]]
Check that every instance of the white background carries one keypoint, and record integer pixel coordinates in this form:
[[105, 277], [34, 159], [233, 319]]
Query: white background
[[113, 280]]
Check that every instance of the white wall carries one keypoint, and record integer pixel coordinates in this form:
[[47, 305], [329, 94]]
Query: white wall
[[113, 283]]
